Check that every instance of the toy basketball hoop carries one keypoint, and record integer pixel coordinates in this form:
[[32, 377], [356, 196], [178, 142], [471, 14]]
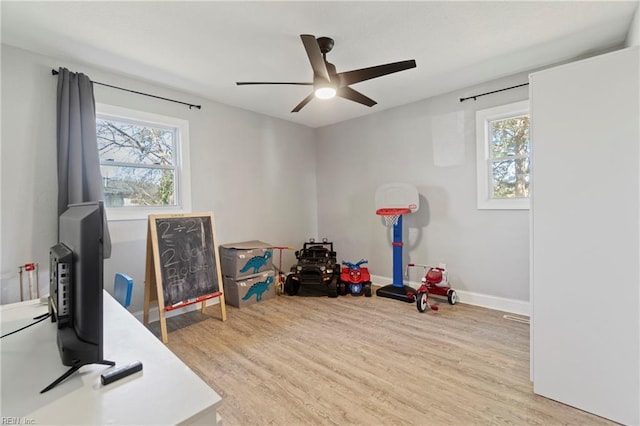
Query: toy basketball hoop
[[391, 215], [392, 201]]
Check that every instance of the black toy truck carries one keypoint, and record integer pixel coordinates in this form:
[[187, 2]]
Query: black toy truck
[[317, 266]]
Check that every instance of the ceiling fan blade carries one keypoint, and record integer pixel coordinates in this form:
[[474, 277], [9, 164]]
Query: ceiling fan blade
[[356, 76], [354, 95], [245, 83], [315, 56], [303, 103]]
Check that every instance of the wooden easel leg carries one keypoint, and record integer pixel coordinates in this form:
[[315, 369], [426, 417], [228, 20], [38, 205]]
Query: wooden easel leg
[[223, 310], [147, 301], [163, 328], [149, 277]]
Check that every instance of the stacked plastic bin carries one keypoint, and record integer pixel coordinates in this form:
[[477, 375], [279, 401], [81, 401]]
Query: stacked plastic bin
[[248, 275]]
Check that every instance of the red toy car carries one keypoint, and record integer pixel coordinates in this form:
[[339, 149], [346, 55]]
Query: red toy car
[[355, 279]]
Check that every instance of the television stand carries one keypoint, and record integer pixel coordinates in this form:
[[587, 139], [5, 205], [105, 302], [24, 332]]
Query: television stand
[[75, 353], [73, 370]]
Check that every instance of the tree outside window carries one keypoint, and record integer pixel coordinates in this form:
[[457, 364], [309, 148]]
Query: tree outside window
[[503, 156], [509, 161], [136, 163]]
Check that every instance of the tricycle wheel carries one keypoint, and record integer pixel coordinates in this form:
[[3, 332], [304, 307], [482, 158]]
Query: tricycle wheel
[[452, 297], [367, 290], [290, 286], [421, 302]]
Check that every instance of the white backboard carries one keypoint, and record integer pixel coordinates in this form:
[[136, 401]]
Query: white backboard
[[397, 195]]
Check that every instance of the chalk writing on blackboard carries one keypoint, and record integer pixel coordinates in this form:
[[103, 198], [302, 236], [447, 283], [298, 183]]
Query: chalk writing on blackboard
[[187, 258]]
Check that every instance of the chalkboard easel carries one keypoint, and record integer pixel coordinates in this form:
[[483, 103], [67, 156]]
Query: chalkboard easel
[[182, 266]]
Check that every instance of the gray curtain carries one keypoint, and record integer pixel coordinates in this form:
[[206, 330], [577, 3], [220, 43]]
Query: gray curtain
[[79, 178]]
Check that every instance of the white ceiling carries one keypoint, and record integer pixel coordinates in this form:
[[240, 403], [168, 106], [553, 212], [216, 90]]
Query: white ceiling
[[205, 47]]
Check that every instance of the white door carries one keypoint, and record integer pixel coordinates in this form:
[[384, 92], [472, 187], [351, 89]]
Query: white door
[[586, 235]]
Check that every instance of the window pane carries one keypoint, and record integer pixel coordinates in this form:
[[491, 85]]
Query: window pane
[[138, 186], [133, 143], [510, 178], [509, 137]]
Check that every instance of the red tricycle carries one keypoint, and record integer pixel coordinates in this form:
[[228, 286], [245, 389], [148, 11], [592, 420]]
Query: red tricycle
[[355, 279], [435, 281]]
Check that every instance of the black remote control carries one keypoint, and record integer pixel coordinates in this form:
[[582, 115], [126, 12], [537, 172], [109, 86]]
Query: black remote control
[[121, 372]]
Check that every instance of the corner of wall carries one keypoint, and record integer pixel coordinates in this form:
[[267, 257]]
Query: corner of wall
[[633, 36]]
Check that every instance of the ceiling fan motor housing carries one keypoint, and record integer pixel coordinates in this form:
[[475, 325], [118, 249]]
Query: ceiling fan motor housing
[[326, 44]]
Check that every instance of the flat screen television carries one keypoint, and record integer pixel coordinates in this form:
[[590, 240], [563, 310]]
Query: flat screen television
[[76, 287]]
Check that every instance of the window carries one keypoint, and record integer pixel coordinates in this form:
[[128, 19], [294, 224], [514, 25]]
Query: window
[[144, 161], [503, 150]]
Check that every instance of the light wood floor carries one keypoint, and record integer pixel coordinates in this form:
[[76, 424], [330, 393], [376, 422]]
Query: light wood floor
[[365, 361]]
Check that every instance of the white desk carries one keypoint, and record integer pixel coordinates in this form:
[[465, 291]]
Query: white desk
[[165, 392]]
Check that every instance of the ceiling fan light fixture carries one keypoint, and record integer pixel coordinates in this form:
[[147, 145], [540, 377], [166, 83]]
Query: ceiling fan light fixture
[[325, 92]]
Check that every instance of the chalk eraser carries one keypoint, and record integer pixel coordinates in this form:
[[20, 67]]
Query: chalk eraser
[[121, 372]]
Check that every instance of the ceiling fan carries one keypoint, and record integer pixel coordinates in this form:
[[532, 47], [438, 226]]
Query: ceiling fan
[[328, 83]]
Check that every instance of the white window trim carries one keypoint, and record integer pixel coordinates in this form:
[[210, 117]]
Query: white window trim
[[183, 173], [483, 117]]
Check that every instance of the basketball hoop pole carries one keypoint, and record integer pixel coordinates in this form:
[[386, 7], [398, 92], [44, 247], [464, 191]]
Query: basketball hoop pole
[[398, 279], [397, 289]]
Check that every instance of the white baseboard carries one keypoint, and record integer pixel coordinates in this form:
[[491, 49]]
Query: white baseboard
[[514, 306], [154, 316]]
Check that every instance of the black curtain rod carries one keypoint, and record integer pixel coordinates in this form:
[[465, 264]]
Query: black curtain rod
[[54, 72], [489, 93]]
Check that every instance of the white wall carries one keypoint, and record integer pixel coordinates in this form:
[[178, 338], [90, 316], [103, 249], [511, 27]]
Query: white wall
[[633, 36], [257, 174], [486, 251]]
